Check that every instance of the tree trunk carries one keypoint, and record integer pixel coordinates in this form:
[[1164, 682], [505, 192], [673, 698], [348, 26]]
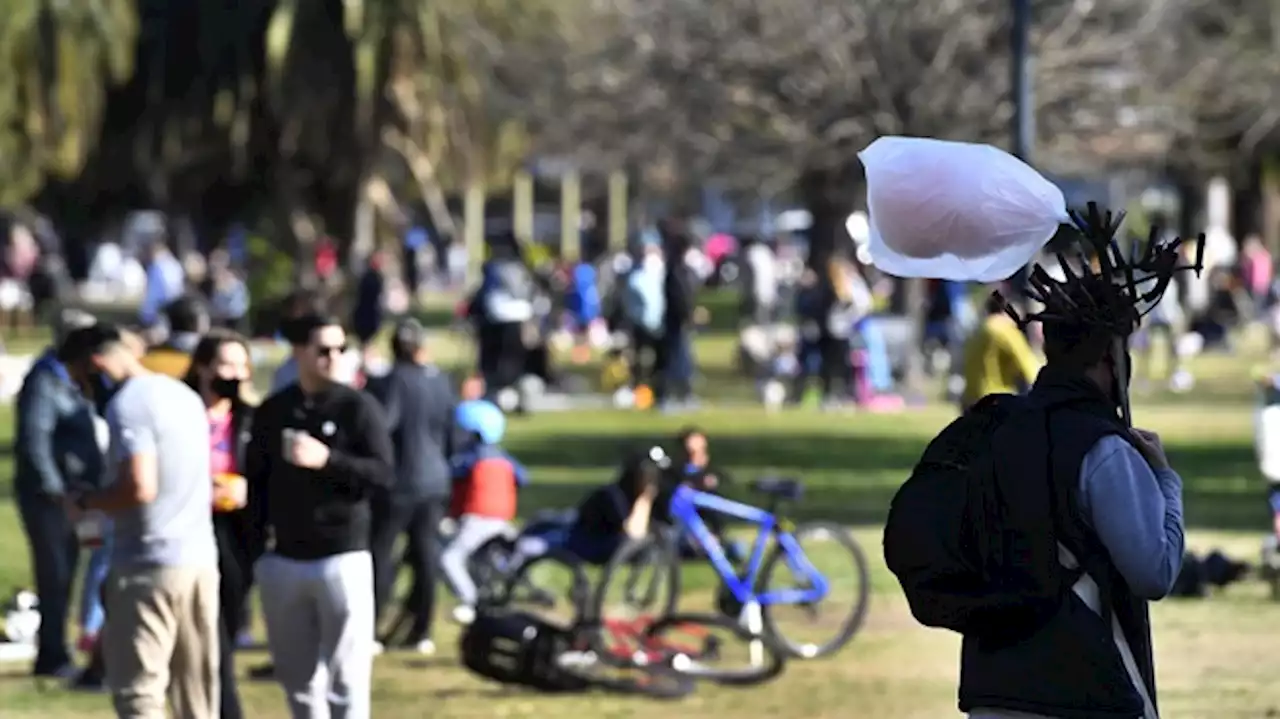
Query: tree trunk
[[913, 374], [1190, 205], [828, 196], [295, 219], [1271, 205], [1246, 202], [364, 233]]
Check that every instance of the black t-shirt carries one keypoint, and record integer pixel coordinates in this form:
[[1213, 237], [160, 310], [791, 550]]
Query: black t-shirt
[[604, 512]]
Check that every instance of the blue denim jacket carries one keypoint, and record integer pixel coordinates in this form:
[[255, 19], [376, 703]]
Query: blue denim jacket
[[56, 444]]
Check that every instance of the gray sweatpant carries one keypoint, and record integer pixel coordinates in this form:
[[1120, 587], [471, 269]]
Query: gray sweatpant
[[320, 630], [473, 532]]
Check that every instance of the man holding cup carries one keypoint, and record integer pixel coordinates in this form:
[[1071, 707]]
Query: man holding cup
[[319, 450]]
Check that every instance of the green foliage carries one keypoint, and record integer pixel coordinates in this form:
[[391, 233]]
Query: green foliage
[[271, 274], [57, 59], [446, 78]]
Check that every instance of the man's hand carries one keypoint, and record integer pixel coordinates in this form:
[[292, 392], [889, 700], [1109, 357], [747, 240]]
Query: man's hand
[[1148, 443], [710, 482], [309, 452], [1275, 524], [71, 505]]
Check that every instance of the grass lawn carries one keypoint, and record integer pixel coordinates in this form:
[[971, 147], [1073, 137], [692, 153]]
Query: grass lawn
[[1213, 655]]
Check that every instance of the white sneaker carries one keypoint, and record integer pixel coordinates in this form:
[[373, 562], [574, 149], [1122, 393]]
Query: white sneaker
[[378, 648], [426, 647], [464, 614]]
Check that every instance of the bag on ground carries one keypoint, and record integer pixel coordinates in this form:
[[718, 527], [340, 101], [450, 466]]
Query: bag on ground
[[519, 648]]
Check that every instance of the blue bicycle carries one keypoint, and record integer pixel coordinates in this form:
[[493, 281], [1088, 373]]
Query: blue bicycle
[[765, 584]]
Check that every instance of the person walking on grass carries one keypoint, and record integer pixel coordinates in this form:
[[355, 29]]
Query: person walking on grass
[[161, 635], [1072, 519], [318, 452], [419, 402]]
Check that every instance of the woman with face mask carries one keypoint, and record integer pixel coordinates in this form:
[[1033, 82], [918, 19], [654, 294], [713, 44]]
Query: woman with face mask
[[220, 373]]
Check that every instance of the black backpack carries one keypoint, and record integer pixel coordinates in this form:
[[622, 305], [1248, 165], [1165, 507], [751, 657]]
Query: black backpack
[[966, 559]]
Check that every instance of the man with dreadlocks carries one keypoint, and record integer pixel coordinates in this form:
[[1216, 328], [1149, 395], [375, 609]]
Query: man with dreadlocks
[[1039, 527], [1129, 537]]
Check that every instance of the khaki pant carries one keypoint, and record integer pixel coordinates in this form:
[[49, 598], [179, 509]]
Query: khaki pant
[[161, 638]]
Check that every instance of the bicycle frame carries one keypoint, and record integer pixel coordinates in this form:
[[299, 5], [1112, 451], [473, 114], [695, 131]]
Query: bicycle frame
[[633, 630], [685, 503]]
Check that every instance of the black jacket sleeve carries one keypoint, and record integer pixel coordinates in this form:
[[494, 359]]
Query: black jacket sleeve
[[258, 459], [388, 393], [35, 439], [454, 439], [370, 459]]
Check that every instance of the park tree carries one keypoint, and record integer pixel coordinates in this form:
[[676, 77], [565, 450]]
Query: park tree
[[778, 94], [59, 60], [771, 96], [1222, 83]]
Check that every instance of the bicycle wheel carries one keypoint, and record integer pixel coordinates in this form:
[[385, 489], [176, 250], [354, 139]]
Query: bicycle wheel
[[489, 567], [657, 681], [552, 586], [692, 644], [820, 542], [641, 579]]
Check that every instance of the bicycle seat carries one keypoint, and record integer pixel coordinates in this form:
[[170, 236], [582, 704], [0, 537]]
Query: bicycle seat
[[779, 487]]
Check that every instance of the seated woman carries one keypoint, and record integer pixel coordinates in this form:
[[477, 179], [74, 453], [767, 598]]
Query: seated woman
[[607, 517]]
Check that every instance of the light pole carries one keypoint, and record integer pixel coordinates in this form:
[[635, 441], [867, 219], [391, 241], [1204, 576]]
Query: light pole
[[1024, 116]]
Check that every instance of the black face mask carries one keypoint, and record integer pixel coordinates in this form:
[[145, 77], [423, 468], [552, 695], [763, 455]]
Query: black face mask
[[224, 388], [103, 389]]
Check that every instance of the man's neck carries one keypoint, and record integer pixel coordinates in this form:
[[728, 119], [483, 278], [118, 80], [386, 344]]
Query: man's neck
[[132, 371], [311, 386]]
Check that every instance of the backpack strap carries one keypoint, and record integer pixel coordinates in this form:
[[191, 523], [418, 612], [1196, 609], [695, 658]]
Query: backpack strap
[[1057, 493], [1087, 571]]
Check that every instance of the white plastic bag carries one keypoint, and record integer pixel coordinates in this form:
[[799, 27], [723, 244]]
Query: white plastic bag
[[955, 210]]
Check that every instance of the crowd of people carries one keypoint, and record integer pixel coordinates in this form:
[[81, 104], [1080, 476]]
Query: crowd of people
[[186, 493], [155, 464]]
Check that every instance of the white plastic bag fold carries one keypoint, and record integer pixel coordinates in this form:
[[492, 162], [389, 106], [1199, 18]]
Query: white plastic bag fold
[[955, 210]]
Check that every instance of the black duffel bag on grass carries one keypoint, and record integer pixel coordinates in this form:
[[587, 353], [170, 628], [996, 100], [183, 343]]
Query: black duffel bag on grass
[[520, 649]]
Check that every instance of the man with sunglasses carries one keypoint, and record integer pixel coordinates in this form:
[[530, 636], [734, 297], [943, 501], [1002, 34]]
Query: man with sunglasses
[[319, 451]]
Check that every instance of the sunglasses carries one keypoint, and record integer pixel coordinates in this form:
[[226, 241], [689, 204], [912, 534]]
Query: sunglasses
[[331, 350]]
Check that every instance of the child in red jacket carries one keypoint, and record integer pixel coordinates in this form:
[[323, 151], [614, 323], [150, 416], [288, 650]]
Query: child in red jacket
[[486, 481]]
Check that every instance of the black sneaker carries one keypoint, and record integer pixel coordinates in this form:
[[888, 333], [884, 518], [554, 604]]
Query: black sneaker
[[65, 672], [263, 672], [90, 681]]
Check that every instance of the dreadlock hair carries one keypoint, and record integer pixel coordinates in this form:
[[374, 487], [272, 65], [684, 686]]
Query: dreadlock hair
[[1084, 314], [1080, 344]]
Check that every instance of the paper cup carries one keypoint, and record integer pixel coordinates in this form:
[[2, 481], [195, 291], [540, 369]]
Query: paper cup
[[228, 479], [287, 439]]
